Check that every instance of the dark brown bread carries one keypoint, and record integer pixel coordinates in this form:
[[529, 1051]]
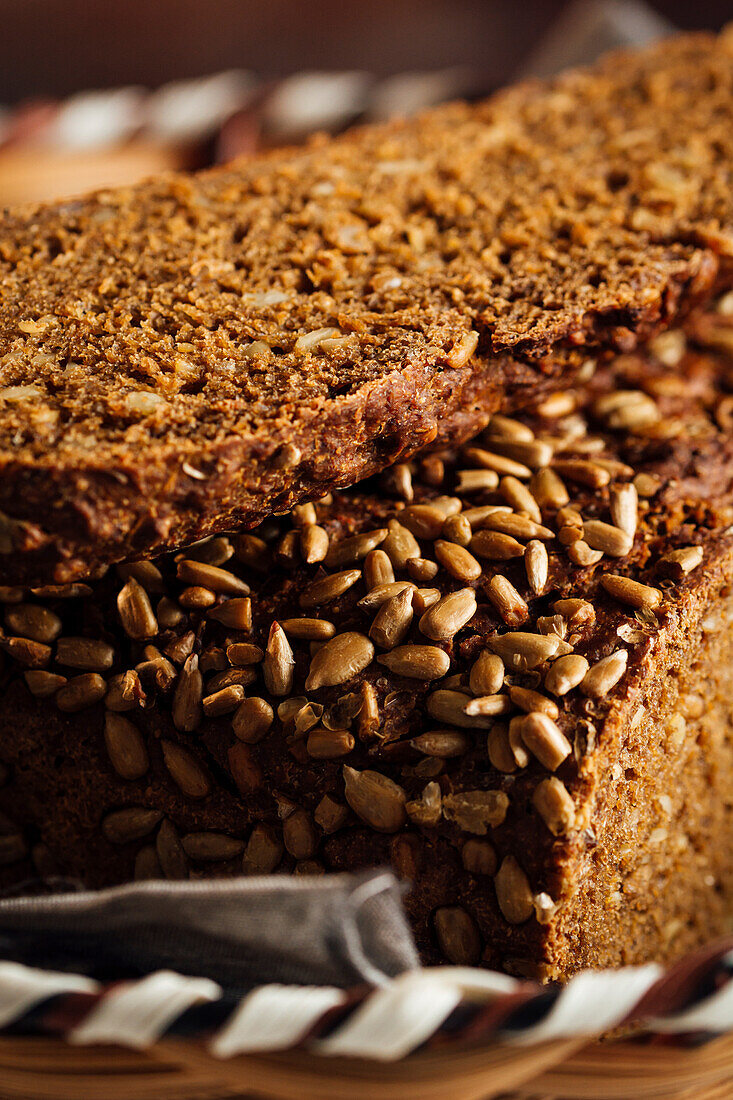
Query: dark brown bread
[[566, 805], [193, 354]]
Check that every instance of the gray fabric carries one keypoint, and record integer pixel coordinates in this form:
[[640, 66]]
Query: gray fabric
[[337, 930]]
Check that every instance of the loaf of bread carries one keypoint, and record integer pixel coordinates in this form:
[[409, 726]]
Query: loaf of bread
[[190, 355], [506, 670]]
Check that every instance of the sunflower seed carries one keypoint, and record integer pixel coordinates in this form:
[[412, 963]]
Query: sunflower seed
[[548, 489], [488, 705], [513, 892], [440, 743], [81, 692], [534, 453], [419, 662], [424, 598], [180, 649], [580, 553], [449, 615], [449, 707], [223, 701], [299, 836], [209, 847], [132, 823], [245, 770], [555, 806], [88, 654], [392, 622], [528, 700], [329, 588], [278, 665], [487, 674], [536, 565], [491, 460], [499, 749], [369, 713], [186, 708], [382, 593], [235, 614], [458, 561], [243, 676], [476, 811], [43, 684], [185, 770], [519, 527], [627, 410], [545, 740], [519, 497], [171, 855], [212, 551], [11, 593], [124, 692], [169, 614], [304, 515], [377, 569], [400, 544], [507, 601], [244, 653], [144, 572], [604, 674], [324, 744], [478, 857], [458, 937], [566, 673], [340, 659], [422, 570], [424, 521], [477, 517], [604, 536], [625, 507], [677, 563], [32, 621], [506, 428], [27, 652], [521, 651], [195, 598], [398, 479], [631, 592], [253, 552], [496, 546], [211, 576], [457, 529], [125, 747], [577, 613], [263, 852], [376, 799], [476, 481], [582, 472], [355, 548]]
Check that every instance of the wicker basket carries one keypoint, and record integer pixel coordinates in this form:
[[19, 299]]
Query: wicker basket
[[49, 1069]]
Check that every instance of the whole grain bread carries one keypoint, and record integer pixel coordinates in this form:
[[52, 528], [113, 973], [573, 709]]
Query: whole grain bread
[[190, 355], [507, 671]]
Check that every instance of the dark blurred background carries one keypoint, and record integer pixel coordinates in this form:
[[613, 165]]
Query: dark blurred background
[[100, 92]]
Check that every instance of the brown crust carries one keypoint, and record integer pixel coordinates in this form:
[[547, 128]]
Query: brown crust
[[168, 320]]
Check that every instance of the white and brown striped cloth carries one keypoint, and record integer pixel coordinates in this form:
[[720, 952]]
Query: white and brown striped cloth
[[326, 964]]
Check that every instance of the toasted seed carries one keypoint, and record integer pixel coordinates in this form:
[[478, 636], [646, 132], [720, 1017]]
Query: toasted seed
[[566, 673], [519, 527], [304, 515], [476, 481], [627, 409], [398, 479], [528, 700], [376, 799], [496, 546], [580, 553], [157, 673], [299, 836], [212, 551], [278, 665], [432, 469], [422, 570], [213, 659], [244, 768], [392, 622], [478, 857], [536, 564], [516, 744], [487, 674], [548, 489], [424, 598], [499, 750], [457, 529], [211, 847], [43, 684], [428, 808], [211, 576], [488, 705], [369, 713], [185, 770], [604, 536], [441, 743], [449, 707], [506, 428], [534, 453], [186, 708], [425, 521], [419, 662], [306, 716], [81, 692], [323, 744], [169, 849], [400, 544], [329, 588], [244, 653], [604, 674], [169, 614], [449, 615], [477, 517], [132, 823], [235, 614], [625, 507], [135, 612], [555, 806], [513, 892], [545, 740], [27, 652], [507, 601], [338, 660], [254, 552], [243, 676], [383, 592], [523, 651], [582, 471], [520, 498], [631, 592], [458, 561], [377, 569], [31, 621], [88, 654], [124, 692], [181, 648], [458, 937], [223, 701], [476, 811], [647, 485], [679, 562], [355, 548], [500, 464], [263, 852], [577, 613], [144, 572], [11, 593], [62, 591], [196, 598], [125, 747]]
